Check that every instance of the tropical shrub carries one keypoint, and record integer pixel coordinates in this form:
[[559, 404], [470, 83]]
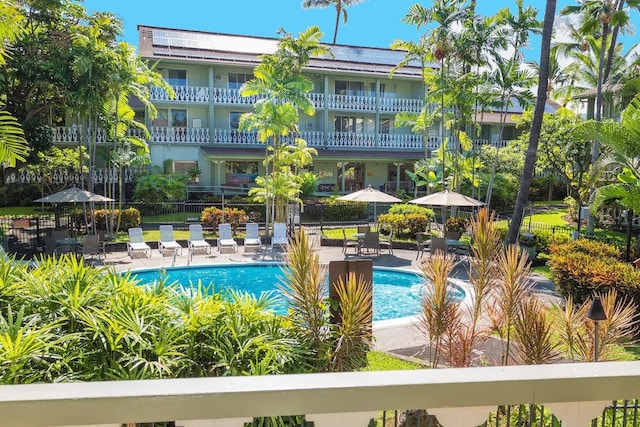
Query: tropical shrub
[[154, 188], [308, 184], [457, 224], [408, 208], [584, 267], [128, 218], [404, 224], [213, 216], [544, 239], [67, 321], [572, 207]]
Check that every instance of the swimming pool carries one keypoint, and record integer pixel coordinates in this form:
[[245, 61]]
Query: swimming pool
[[395, 293]]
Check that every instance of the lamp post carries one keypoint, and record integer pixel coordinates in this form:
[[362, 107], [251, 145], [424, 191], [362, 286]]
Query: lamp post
[[596, 313]]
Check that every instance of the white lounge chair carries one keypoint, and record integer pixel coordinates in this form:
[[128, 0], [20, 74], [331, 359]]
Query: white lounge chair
[[136, 242], [196, 239], [253, 240], [280, 237], [167, 241], [225, 239]]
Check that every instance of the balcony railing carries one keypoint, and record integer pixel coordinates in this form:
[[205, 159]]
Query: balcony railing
[[232, 97], [575, 393], [196, 94], [179, 135]]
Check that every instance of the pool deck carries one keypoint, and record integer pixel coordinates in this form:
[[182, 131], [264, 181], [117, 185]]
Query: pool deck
[[400, 336]]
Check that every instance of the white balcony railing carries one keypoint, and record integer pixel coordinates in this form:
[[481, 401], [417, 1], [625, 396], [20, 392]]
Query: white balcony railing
[[196, 94], [351, 102], [232, 97], [575, 393], [396, 105], [179, 135]]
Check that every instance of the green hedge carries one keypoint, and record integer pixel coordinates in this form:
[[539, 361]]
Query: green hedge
[[404, 225], [212, 217], [584, 267], [128, 218]]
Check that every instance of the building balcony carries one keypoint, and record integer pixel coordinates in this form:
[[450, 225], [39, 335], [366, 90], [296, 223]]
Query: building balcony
[[177, 135], [231, 137], [192, 94], [575, 393]]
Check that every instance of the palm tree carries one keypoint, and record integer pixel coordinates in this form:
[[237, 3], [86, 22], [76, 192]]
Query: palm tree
[[536, 125], [341, 9]]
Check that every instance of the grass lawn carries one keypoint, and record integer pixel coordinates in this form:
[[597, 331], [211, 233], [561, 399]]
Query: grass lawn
[[21, 210], [543, 270], [379, 361], [552, 218]]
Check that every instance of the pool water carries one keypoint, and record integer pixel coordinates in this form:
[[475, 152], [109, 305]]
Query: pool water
[[395, 293]]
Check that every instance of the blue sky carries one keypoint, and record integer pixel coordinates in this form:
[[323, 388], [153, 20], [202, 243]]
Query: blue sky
[[371, 23]]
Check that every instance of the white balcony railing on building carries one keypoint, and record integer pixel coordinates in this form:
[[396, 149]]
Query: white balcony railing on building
[[351, 102], [575, 393], [179, 135], [351, 140], [317, 99], [397, 105], [232, 97], [400, 142], [196, 94]]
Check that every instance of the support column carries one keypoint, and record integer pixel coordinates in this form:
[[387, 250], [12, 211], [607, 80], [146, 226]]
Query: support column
[[348, 419], [397, 165], [377, 119], [226, 422], [342, 175], [462, 417], [211, 114], [325, 112], [577, 414]]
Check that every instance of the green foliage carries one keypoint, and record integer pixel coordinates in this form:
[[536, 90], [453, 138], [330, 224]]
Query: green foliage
[[546, 239], [128, 218], [346, 211], [584, 267], [505, 189], [212, 217], [308, 184], [409, 208], [457, 224], [572, 206], [19, 194], [78, 323], [404, 224], [161, 188]]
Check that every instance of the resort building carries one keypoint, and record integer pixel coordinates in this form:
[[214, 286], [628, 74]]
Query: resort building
[[353, 129]]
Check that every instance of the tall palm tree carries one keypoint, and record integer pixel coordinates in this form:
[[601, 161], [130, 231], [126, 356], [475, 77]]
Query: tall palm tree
[[536, 125], [341, 9]]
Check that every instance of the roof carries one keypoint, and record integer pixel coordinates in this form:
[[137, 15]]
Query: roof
[[242, 50], [591, 93]]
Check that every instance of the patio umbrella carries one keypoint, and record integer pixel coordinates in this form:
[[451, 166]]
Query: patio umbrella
[[73, 195], [370, 195], [447, 198]]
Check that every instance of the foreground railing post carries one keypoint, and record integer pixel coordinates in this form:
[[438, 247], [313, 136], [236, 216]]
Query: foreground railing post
[[347, 419], [577, 414]]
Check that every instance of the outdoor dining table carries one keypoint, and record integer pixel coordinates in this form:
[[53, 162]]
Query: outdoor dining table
[[72, 242]]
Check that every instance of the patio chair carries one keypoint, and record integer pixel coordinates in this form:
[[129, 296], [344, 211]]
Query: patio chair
[[363, 228], [371, 242], [225, 238], [252, 241], [438, 244], [280, 237], [136, 242], [422, 245], [387, 244], [90, 246], [167, 240], [349, 243], [196, 239]]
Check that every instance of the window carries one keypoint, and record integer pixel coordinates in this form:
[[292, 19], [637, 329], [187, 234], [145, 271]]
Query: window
[[344, 87], [241, 172], [385, 125], [184, 167], [177, 77], [161, 120], [349, 124], [238, 79], [387, 90], [234, 119], [179, 118]]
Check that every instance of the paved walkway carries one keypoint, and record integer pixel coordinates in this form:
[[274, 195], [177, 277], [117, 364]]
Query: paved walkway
[[400, 336]]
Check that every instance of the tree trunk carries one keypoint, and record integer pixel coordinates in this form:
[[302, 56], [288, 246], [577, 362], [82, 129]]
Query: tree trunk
[[536, 125]]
